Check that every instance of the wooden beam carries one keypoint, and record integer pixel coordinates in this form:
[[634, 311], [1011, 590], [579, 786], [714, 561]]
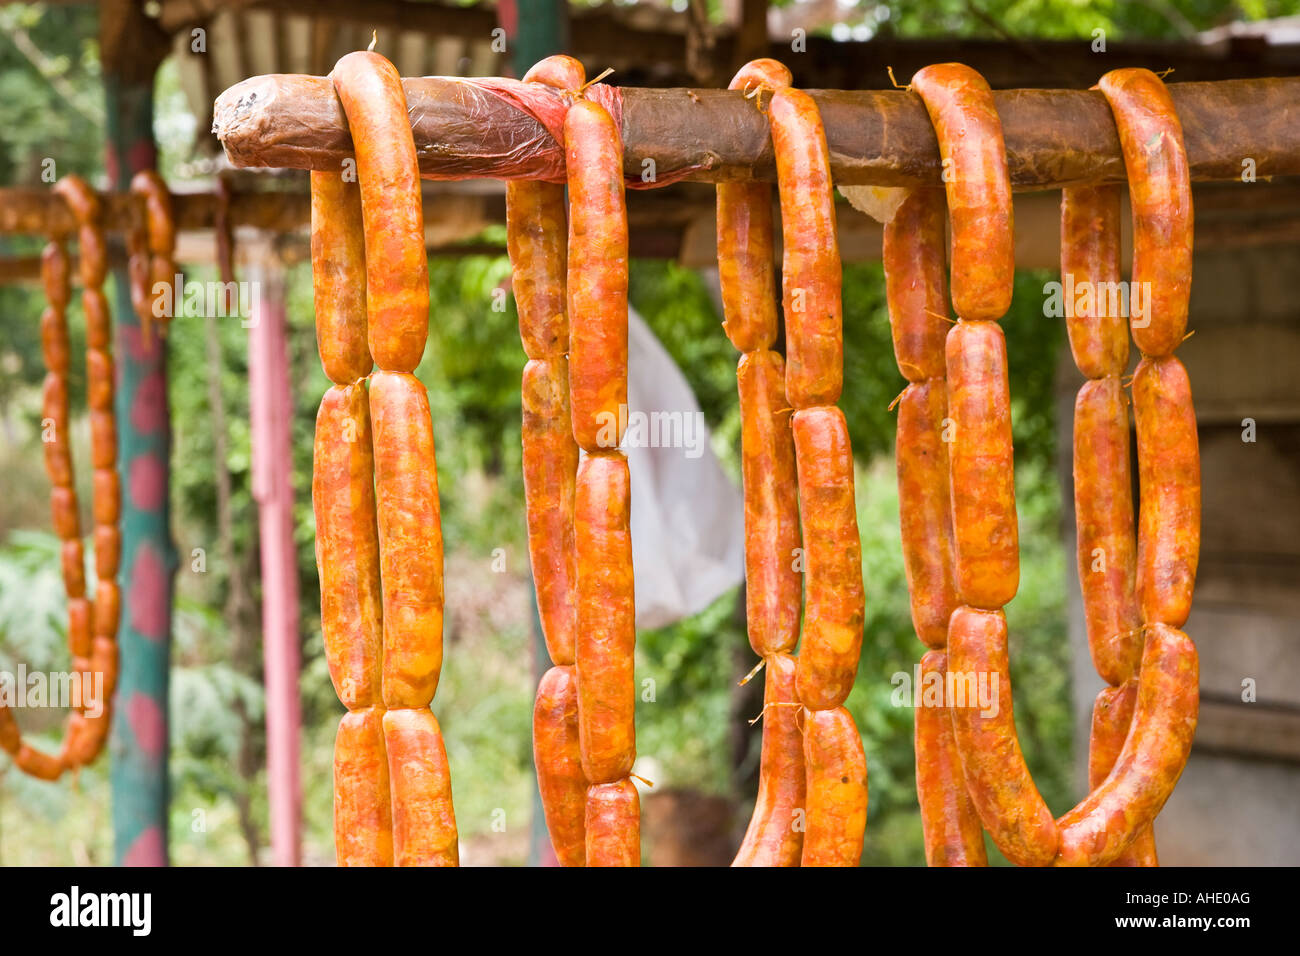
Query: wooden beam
[[1054, 138]]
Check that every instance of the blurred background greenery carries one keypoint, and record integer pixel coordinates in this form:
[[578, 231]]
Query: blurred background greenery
[[693, 737]]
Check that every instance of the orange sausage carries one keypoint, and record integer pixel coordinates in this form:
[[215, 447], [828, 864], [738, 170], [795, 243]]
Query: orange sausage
[[347, 545], [925, 520], [834, 611], [837, 789], [550, 460], [80, 631], [397, 266], [108, 551], [993, 766], [1169, 476], [606, 636], [1155, 751], [951, 827], [966, 123], [1089, 274], [103, 439], [73, 562], [363, 822], [810, 270], [916, 285], [1160, 194], [410, 538], [597, 276], [745, 238], [106, 496], [981, 466], [424, 821], [63, 510], [108, 606], [54, 341], [772, 838], [613, 824], [1112, 714], [99, 325], [11, 737], [557, 756], [56, 274], [99, 380], [773, 589], [1103, 502], [338, 267], [37, 764], [536, 239]]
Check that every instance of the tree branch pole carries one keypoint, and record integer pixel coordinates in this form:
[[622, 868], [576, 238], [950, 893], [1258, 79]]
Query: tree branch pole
[[1054, 138]]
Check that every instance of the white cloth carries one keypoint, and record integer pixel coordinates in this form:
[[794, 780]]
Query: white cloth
[[688, 520]]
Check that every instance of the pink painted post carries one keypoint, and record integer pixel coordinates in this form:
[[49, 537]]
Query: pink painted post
[[272, 415]]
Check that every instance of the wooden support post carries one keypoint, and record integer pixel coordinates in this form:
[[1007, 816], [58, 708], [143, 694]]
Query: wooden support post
[[272, 417]]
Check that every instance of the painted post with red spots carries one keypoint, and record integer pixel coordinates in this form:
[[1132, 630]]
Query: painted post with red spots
[[139, 738]]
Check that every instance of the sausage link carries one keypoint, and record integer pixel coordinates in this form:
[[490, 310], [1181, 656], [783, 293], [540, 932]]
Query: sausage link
[[537, 241], [772, 838], [981, 466], [56, 275], [613, 824], [833, 618], [397, 266], [1091, 280], [410, 538], [550, 459], [338, 263], [560, 71], [424, 821], [108, 601], [925, 518], [557, 756], [63, 511], [606, 635], [38, 764], [1160, 194], [837, 789], [103, 439], [72, 560], [108, 551], [54, 341], [810, 269], [347, 546], [99, 323], [974, 155], [1155, 751], [1103, 503], [363, 820], [951, 827], [773, 589], [1112, 714], [916, 285], [155, 258], [11, 737], [80, 629], [597, 277], [993, 765], [1169, 477]]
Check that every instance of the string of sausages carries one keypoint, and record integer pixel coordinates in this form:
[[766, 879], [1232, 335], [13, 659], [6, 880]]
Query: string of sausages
[[772, 585], [92, 625], [151, 247], [606, 628], [537, 242], [981, 482], [380, 552], [835, 765]]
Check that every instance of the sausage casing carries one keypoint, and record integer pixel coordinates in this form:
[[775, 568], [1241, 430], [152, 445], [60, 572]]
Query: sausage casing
[[837, 789]]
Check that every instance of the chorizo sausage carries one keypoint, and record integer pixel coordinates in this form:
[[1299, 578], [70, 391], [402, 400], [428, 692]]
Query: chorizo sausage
[[606, 634], [363, 820], [951, 827], [410, 538], [38, 764], [347, 546], [613, 824], [1103, 503], [1094, 318], [773, 588], [1169, 479], [597, 277], [1112, 714], [536, 239], [993, 765], [837, 789], [424, 821], [338, 260], [834, 612], [1155, 751], [397, 265], [925, 518], [557, 756], [974, 156], [981, 466], [916, 287], [772, 838], [1160, 194], [810, 270]]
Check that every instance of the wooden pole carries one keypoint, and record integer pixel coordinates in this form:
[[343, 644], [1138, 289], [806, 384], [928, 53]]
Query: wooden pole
[[272, 415]]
